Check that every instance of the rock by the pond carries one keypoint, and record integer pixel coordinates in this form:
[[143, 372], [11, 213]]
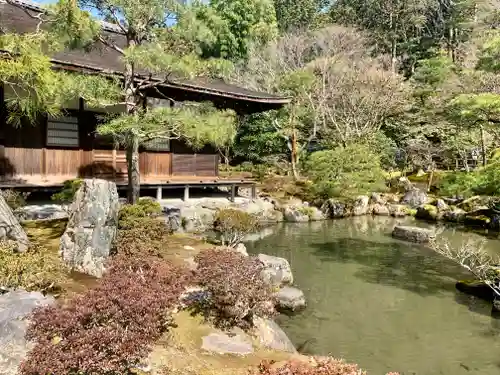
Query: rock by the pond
[[414, 197], [455, 215], [315, 214], [380, 210], [296, 214], [277, 271], [223, 343], [441, 205], [475, 288], [334, 209], [428, 212], [92, 225], [173, 217], [270, 335], [290, 299], [477, 220], [10, 229], [376, 198], [413, 234], [361, 205], [41, 212], [398, 210], [242, 249], [15, 307]]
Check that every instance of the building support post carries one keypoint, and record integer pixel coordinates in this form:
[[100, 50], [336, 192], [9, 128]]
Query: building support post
[[233, 193], [159, 193], [186, 193], [253, 192]]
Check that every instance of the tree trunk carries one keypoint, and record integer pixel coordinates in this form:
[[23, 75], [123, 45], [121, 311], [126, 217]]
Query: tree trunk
[[132, 146], [394, 57], [294, 157], [483, 145], [134, 179]]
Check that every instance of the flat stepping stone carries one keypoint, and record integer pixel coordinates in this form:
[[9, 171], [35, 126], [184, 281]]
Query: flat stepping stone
[[222, 343]]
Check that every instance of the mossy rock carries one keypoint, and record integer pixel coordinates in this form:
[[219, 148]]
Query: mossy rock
[[477, 221], [411, 212], [475, 288], [427, 212]]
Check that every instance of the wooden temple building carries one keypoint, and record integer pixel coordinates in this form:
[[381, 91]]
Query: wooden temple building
[[45, 154]]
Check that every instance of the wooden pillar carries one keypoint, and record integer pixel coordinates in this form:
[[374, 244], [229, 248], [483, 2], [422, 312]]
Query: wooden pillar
[[233, 193], [186, 193], [159, 193], [253, 192]]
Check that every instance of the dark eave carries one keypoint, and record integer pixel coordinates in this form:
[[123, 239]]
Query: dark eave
[[103, 60]]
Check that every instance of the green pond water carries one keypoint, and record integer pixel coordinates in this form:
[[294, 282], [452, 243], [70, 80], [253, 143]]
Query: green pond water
[[382, 303]]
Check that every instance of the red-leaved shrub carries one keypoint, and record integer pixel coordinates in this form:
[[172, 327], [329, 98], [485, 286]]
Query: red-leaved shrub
[[315, 366], [235, 287], [109, 328]]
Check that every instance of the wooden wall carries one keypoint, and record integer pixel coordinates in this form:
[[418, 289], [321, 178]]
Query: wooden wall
[[25, 158]]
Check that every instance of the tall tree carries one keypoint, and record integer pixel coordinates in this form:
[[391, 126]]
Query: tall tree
[[340, 94], [152, 53], [236, 25], [395, 25], [293, 15]]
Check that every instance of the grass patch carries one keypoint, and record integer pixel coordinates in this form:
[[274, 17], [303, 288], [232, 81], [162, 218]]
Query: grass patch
[[179, 350]]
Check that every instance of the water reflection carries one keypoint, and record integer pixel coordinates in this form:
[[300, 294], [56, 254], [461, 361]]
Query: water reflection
[[384, 303]]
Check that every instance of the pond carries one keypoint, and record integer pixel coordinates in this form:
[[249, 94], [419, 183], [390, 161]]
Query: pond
[[383, 303]]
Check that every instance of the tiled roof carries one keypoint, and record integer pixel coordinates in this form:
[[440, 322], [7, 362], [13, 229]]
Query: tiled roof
[[100, 58]]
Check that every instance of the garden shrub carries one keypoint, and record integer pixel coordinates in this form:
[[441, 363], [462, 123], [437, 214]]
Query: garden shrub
[[35, 269], [482, 181], [345, 172], [131, 215], [236, 288], [458, 184], [233, 225], [67, 194], [14, 199], [315, 366], [109, 328], [146, 236]]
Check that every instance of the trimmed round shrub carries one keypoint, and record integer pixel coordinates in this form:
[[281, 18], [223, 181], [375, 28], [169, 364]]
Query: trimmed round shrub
[[236, 289], [131, 215], [233, 225]]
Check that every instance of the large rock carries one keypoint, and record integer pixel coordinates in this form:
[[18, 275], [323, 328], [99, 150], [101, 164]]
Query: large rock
[[413, 234], [290, 299], [92, 225], [334, 209], [42, 212], [296, 214], [223, 343], [455, 215], [173, 217], [15, 307], [428, 212], [315, 214], [271, 336], [398, 210], [380, 209], [377, 198], [277, 271], [10, 229], [361, 205], [414, 197]]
